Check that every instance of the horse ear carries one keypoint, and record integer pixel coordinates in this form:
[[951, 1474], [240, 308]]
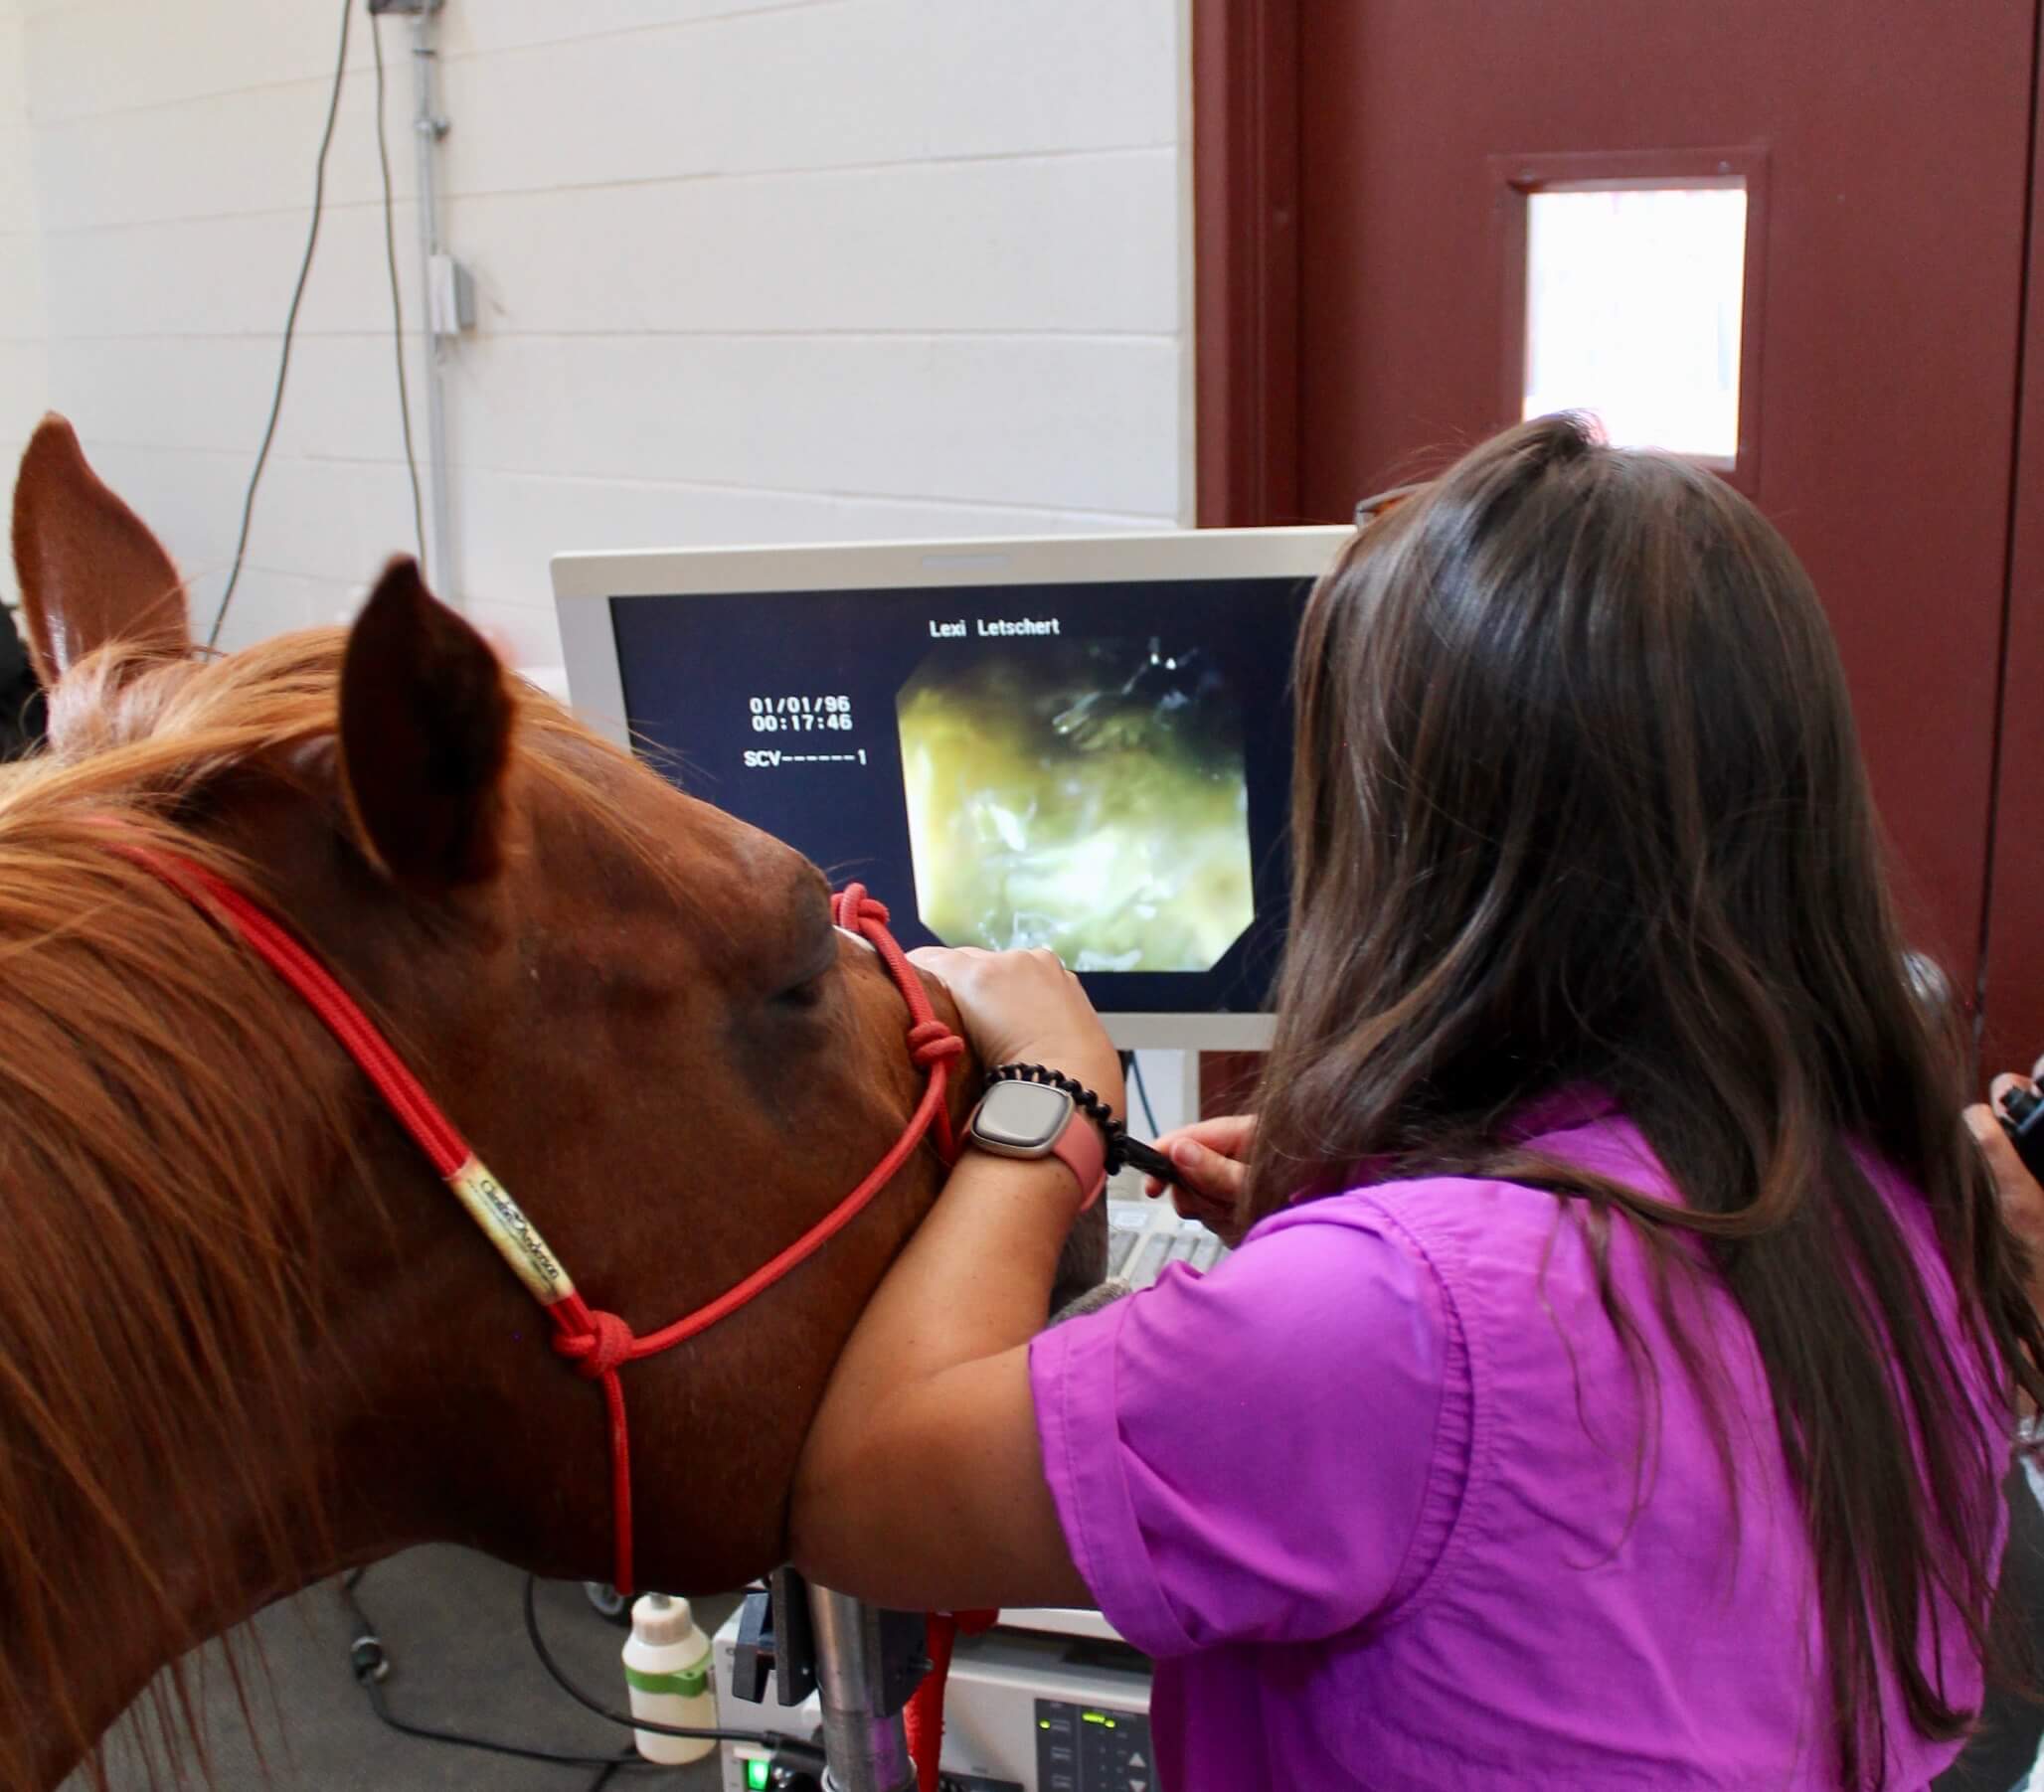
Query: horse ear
[[426, 733], [89, 570]]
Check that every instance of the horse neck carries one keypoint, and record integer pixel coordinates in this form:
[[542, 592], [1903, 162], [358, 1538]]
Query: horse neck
[[254, 1499], [213, 1287]]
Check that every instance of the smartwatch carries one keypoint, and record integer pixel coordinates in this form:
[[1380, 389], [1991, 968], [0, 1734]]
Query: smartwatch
[[1031, 1120]]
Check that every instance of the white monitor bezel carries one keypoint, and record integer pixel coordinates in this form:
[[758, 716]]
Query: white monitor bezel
[[586, 582]]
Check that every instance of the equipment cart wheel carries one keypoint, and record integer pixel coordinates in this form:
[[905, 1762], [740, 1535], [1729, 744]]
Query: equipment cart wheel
[[608, 1602]]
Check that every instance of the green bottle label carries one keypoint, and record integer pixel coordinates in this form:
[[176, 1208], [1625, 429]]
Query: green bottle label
[[687, 1682]]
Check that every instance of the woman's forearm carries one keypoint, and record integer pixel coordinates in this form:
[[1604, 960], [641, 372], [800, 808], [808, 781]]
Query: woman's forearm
[[975, 1278], [920, 1482]]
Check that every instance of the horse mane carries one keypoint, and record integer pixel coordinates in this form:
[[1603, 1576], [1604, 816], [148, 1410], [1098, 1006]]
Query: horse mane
[[169, 1121]]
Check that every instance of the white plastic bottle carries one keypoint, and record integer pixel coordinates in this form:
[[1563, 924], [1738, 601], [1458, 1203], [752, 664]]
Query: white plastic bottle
[[667, 1668]]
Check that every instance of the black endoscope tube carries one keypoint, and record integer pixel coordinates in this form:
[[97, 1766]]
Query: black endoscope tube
[[2022, 1118]]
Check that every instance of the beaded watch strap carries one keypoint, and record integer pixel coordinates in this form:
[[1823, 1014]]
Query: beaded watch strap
[[1122, 1151]]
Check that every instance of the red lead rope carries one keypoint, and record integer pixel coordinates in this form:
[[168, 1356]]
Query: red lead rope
[[599, 1343], [924, 1719]]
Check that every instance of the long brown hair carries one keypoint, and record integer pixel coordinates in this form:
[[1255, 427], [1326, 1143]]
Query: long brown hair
[[1579, 798]]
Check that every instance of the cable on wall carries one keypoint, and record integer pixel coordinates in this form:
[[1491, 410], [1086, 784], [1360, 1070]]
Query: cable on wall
[[382, 157], [283, 365]]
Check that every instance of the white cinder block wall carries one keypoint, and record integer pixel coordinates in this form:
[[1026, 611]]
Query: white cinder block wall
[[748, 270], [24, 325]]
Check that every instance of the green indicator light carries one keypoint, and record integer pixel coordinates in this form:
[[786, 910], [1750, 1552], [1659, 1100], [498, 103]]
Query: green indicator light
[[756, 1775], [1043, 1724], [1110, 1724], [1093, 1717]]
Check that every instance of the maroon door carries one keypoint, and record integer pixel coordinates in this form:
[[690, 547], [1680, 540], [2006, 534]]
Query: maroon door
[[1360, 274], [2015, 907]]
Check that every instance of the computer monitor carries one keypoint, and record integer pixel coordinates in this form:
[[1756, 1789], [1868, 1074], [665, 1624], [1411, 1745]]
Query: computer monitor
[[1083, 743]]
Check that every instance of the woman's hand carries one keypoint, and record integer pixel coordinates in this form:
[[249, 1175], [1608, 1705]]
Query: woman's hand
[[2022, 1199], [1212, 1158], [1027, 1008]]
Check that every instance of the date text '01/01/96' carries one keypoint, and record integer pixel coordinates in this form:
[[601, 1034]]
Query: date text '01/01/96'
[[839, 704]]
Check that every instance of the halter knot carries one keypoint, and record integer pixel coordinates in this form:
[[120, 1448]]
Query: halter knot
[[854, 906], [605, 1345], [933, 1042]]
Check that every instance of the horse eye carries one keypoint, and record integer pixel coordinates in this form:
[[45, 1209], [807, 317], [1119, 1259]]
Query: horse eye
[[806, 994], [806, 990]]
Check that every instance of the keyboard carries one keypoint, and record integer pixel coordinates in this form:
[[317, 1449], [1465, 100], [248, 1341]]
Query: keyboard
[[1144, 1235]]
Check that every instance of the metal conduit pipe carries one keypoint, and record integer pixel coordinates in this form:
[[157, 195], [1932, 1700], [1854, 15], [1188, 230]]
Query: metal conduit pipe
[[428, 127]]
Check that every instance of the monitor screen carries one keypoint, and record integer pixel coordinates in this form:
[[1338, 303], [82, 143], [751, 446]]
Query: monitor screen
[[1075, 741], [1100, 769]]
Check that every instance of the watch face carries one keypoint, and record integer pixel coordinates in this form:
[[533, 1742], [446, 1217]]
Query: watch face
[[1022, 1116]]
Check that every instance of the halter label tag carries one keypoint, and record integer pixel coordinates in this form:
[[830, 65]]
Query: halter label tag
[[517, 1239]]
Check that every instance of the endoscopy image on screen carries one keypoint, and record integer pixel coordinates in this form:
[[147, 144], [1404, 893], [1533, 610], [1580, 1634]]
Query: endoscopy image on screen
[[1085, 795], [1103, 769]]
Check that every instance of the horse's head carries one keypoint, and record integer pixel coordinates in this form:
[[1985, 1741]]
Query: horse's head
[[636, 1007]]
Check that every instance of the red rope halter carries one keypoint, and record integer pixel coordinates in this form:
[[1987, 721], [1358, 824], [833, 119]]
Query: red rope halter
[[596, 1342]]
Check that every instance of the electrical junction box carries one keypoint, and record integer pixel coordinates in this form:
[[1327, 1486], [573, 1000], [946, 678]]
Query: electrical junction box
[[1023, 1712], [450, 297]]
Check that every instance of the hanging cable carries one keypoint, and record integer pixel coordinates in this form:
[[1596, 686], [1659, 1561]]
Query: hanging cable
[[283, 365], [382, 157]]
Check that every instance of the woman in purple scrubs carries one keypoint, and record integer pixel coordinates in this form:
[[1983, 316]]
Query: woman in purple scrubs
[[1615, 1384]]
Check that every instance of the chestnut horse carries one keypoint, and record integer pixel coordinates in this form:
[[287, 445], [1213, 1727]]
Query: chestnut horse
[[246, 1336]]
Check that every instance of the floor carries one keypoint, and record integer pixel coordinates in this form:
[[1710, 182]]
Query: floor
[[455, 1632], [453, 1627]]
